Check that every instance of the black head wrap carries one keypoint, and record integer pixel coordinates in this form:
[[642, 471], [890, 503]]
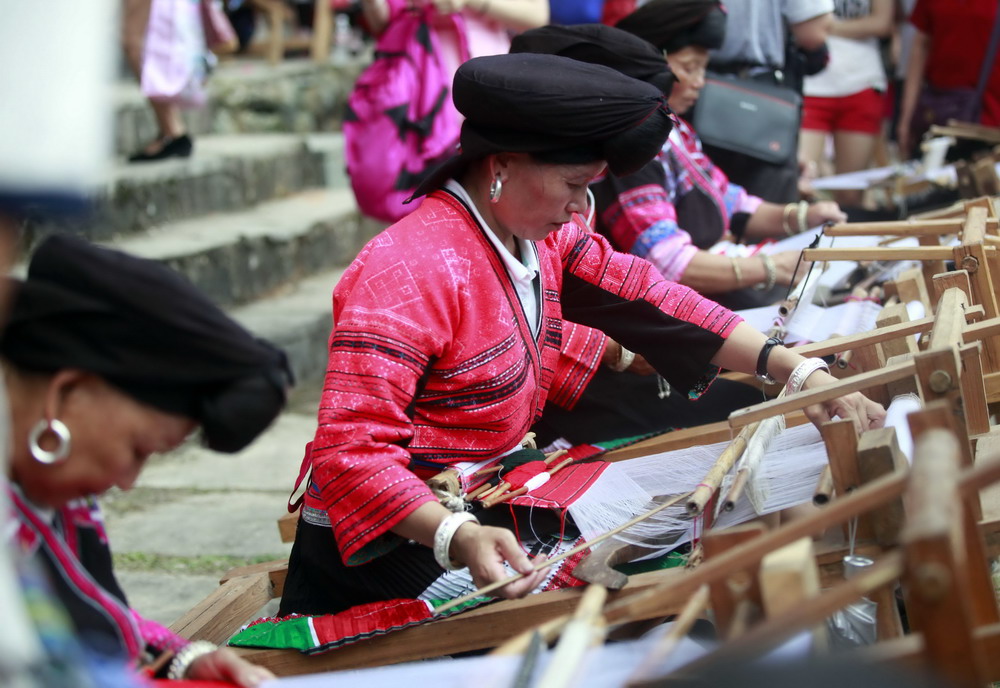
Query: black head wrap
[[558, 109], [146, 330], [674, 24], [600, 44]]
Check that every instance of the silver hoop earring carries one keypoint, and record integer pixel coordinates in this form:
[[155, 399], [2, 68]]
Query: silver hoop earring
[[57, 428], [496, 188]]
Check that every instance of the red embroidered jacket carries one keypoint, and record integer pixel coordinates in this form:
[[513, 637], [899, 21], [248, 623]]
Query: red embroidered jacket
[[432, 362]]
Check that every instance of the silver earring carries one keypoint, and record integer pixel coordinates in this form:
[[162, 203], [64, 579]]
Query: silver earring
[[57, 428], [496, 188]]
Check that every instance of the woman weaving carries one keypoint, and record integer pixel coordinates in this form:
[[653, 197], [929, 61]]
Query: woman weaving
[[673, 212], [447, 330], [108, 359]]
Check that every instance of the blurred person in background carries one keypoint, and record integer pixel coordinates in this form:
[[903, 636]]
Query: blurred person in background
[[764, 49], [845, 100], [488, 23], [173, 140], [948, 75]]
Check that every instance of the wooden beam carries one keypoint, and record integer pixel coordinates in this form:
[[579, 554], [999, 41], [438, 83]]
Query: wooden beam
[[229, 606], [890, 253], [905, 228], [475, 629], [752, 414]]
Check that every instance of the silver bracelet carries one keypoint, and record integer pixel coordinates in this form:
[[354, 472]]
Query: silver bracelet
[[625, 358], [802, 371], [186, 656], [737, 271], [770, 274], [442, 539]]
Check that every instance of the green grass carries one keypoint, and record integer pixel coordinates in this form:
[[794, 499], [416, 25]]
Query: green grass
[[208, 564]]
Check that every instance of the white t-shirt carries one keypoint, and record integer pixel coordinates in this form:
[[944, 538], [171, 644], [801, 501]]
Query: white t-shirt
[[855, 64], [755, 32]]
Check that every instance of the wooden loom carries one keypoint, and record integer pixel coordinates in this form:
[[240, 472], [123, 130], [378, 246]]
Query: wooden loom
[[743, 566], [246, 590]]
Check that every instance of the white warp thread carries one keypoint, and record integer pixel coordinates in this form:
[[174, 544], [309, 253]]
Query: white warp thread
[[626, 489]]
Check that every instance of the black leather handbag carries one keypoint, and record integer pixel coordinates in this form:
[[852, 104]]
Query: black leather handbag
[[750, 117]]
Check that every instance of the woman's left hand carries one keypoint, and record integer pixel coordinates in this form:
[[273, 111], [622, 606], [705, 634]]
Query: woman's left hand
[[856, 407], [226, 665], [824, 211]]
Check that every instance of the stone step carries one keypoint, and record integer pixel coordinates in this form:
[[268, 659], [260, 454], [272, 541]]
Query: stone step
[[249, 96], [225, 173], [238, 257], [299, 319]]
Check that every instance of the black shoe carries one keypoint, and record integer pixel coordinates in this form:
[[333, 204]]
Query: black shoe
[[179, 147]]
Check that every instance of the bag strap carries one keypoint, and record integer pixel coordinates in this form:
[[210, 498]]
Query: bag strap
[[988, 66]]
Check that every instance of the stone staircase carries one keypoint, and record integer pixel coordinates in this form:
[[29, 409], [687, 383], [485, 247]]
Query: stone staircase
[[263, 220]]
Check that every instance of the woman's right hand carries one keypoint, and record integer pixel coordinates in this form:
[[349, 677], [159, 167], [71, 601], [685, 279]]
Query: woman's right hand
[[484, 549], [784, 265]]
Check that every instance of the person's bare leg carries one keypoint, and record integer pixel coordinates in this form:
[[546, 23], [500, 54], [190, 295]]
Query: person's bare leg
[[853, 152], [812, 147], [135, 18]]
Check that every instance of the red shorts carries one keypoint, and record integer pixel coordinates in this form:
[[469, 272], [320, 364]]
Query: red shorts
[[860, 112]]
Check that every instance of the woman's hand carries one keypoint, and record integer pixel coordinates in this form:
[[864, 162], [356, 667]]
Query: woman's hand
[[856, 407], [784, 265], [824, 211], [484, 549], [226, 665], [613, 353]]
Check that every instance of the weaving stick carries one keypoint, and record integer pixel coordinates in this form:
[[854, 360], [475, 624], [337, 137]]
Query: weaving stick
[[710, 483], [669, 642], [496, 585]]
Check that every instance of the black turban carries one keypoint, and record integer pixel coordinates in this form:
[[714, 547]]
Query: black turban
[[556, 108], [674, 24], [146, 330], [600, 44]]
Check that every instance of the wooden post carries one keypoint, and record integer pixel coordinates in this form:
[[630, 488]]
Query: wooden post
[[321, 31], [936, 563], [788, 578], [878, 455], [842, 453], [739, 586]]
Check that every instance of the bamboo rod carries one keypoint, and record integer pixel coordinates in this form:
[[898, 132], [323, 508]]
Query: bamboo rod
[[824, 487], [736, 490], [710, 483]]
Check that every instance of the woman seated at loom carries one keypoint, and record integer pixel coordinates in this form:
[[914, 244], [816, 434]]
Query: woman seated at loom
[[447, 330], [109, 359], [615, 395], [674, 211]]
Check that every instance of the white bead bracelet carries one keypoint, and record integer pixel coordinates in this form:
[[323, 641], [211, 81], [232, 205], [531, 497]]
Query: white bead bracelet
[[442, 539]]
